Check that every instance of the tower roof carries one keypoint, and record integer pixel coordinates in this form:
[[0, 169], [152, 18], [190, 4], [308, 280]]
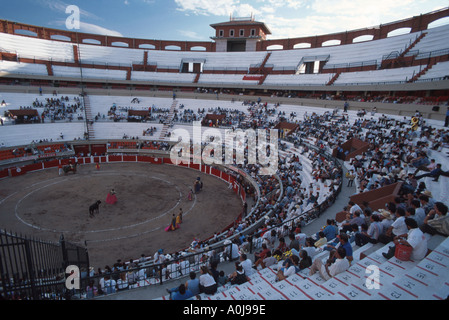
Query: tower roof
[[243, 22]]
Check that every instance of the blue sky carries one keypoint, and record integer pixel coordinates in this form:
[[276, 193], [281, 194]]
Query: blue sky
[[190, 19]]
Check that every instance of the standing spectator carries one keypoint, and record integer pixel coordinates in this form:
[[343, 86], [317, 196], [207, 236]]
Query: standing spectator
[[446, 121], [350, 176]]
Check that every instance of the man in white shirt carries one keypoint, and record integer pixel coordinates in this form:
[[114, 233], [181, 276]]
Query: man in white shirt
[[246, 264], [354, 207], [414, 238], [328, 270], [269, 238], [397, 228]]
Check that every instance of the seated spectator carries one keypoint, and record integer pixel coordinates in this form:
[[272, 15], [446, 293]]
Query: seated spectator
[[310, 248], [193, 284], [398, 227], [372, 234], [331, 269], [413, 238], [321, 241], [207, 284], [437, 220], [356, 219], [330, 230], [259, 256], [268, 261], [294, 243], [246, 264], [238, 276], [282, 246], [222, 279], [290, 267], [344, 243], [91, 290], [305, 261], [181, 294], [122, 282]]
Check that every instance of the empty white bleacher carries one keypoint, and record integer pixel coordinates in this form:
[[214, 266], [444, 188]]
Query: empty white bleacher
[[343, 54], [225, 79], [117, 130], [435, 39], [24, 134], [298, 79], [11, 67], [163, 76], [91, 73], [233, 60], [29, 47], [69, 72], [438, 71], [212, 60], [109, 55], [378, 76], [369, 50]]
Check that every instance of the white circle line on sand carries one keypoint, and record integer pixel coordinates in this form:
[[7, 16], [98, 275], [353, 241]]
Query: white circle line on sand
[[96, 231]]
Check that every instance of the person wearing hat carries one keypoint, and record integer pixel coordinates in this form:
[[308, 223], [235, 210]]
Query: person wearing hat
[[385, 219], [397, 228]]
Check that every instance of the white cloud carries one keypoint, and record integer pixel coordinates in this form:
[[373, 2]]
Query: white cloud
[[190, 34], [216, 7], [60, 6], [317, 17], [96, 29], [88, 28]]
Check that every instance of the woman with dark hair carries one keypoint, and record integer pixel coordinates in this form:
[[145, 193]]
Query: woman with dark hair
[[207, 281], [291, 266], [305, 261]]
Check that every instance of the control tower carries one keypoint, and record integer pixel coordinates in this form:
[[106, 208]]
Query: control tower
[[239, 34]]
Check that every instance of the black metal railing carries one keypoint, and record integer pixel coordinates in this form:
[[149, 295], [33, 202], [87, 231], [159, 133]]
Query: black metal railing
[[33, 269], [148, 273]]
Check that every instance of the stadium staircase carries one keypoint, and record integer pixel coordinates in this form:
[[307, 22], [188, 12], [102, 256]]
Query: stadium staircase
[[334, 78], [49, 68], [89, 118], [168, 121], [401, 61], [422, 72]]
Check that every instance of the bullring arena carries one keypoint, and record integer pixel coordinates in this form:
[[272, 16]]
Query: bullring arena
[[149, 194], [358, 128]]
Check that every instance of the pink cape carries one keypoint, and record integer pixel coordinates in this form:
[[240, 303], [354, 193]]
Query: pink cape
[[111, 198]]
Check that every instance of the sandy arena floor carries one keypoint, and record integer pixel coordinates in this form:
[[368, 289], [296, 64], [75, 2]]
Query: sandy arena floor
[[45, 205]]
